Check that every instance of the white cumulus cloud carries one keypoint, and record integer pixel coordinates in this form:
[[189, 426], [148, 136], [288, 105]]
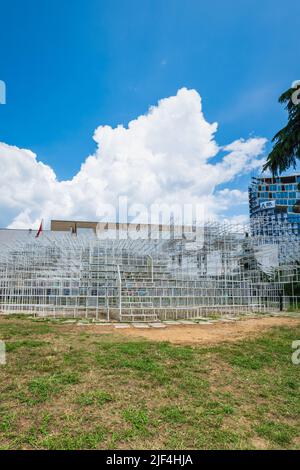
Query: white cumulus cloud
[[168, 155]]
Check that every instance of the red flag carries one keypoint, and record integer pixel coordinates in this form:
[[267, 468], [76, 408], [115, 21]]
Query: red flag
[[39, 230]]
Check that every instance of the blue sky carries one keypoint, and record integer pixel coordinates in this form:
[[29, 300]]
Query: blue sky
[[72, 66]]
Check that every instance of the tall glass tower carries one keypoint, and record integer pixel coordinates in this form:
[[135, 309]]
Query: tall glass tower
[[275, 201]]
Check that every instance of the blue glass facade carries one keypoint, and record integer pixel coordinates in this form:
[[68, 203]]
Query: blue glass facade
[[277, 198]]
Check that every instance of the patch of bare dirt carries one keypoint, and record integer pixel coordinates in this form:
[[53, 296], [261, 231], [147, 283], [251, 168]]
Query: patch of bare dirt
[[204, 334], [260, 443]]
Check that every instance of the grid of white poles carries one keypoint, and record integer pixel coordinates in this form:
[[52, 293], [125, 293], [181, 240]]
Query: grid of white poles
[[222, 269]]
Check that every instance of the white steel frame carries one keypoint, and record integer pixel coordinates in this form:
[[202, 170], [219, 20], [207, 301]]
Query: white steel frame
[[231, 270]]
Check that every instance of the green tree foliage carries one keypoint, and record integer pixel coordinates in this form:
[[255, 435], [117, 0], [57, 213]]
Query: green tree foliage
[[286, 149]]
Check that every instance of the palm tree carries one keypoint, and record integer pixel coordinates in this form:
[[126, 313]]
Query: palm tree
[[286, 149]]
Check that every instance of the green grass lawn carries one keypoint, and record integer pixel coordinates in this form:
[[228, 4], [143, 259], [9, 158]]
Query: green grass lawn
[[64, 387]]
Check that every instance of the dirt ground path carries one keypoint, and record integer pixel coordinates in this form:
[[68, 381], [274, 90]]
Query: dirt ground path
[[205, 334]]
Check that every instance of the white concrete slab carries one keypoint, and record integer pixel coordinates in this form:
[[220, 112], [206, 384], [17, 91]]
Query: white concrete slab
[[122, 326], [157, 325], [140, 325]]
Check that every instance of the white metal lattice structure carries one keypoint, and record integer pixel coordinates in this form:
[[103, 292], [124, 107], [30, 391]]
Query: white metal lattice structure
[[224, 269]]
